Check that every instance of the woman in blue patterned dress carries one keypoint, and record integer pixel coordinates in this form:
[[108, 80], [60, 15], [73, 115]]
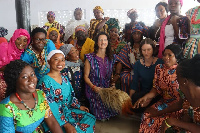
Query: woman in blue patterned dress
[[97, 74], [60, 95]]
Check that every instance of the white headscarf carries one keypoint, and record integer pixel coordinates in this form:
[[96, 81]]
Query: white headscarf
[[52, 53]]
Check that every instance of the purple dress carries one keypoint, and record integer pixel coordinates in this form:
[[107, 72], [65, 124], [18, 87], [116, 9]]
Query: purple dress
[[100, 75]]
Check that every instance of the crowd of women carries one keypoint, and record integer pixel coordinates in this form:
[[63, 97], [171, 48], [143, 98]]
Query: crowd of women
[[50, 80]]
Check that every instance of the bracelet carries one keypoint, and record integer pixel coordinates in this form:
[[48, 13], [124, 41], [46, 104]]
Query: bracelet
[[93, 87], [167, 124]]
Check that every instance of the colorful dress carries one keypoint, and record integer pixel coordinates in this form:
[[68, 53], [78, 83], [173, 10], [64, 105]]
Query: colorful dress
[[165, 82], [116, 48], [100, 75], [13, 119], [192, 46], [39, 62], [127, 72], [65, 106], [56, 25]]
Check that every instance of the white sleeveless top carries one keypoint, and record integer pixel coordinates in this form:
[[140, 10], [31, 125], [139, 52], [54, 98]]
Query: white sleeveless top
[[169, 34]]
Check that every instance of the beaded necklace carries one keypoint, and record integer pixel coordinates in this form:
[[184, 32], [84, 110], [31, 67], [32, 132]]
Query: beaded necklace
[[147, 66], [30, 111], [194, 17]]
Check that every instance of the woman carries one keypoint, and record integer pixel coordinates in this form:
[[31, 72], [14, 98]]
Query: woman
[[25, 107], [37, 51], [144, 70], [97, 75], [132, 14], [73, 23], [74, 70], [3, 32], [188, 79], [60, 95], [161, 12], [127, 57], [113, 29], [164, 84], [192, 45], [98, 24], [54, 35], [175, 28], [12, 51]]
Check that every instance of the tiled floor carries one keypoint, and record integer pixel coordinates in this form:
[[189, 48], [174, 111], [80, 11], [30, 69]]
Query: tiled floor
[[119, 124]]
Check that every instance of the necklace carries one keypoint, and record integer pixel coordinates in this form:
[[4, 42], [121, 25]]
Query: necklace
[[194, 17], [147, 66], [30, 111]]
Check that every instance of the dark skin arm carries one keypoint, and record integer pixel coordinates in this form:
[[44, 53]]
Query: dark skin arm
[[101, 24], [2, 68], [53, 124], [118, 71]]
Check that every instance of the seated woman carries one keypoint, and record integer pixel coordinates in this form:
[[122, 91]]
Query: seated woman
[[74, 70], [188, 78], [73, 23], [175, 28], [144, 70], [98, 24], [127, 57], [164, 84], [37, 51], [24, 107], [54, 35], [132, 14], [97, 74], [3, 32], [12, 51], [60, 95], [113, 29]]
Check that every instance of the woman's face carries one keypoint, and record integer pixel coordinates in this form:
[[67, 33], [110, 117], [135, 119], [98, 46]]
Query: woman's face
[[147, 51], [169, 58], [98, 14], [27, 80], [137, 36], [53, 35], [133, 16], [102, 42], [21, 42], [80, 35], [161, 12], [174, 6], [73, 55], [57, 62], [50, 18], [114, 33], [78, 14], [39, 41]]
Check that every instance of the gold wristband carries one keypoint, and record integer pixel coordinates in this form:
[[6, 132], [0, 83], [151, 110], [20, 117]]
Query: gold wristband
[[167, 124]]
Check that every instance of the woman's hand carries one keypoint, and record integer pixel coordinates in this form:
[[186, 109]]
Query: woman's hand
[[83, 108], [97, 89], [174, 19], [106, 18], [69, 128], [152, 112], [142, 102]]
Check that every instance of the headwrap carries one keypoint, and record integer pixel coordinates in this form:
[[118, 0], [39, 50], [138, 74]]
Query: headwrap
[[181, 2], [138, 27], [51, 13], [131, 11], [3, 32], [53, 52], [113, 23], [176, 49], [80, 27], [78, 8], [66, 48], [98, 8], [9, 51], [51, 29]]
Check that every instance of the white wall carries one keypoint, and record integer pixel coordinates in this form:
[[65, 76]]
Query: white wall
[[8, 15]]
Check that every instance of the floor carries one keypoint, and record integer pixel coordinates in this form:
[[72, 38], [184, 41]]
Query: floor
[[119, 124]]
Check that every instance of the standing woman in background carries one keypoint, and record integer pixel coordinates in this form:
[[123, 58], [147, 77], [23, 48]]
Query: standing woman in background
[[175, 28]]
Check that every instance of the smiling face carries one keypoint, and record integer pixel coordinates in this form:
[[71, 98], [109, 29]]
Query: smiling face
[[57, 62], [169, 58], [27, 80], [114, 33], [98, 14], [50, 18], [53, 35], [102, 42], [78, 14], [39, 41], [21, 42], [174, 6], [147, 51], [73, 55], [161, 13]]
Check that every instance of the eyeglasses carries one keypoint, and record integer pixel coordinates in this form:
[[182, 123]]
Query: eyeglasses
[[37, 40]]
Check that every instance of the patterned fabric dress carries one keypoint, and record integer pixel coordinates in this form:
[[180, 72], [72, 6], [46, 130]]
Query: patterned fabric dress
[[165, 82], [116, 48], [13, 119], [65, 106], [3, 86], [100, 75], [192, 46], [127, 71], [39, 62]]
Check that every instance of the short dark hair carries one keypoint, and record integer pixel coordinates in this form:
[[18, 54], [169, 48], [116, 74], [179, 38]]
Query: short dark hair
[[162, 4], [189, 69], [36, 30], [109, 52], [11, 74], [148, 41]]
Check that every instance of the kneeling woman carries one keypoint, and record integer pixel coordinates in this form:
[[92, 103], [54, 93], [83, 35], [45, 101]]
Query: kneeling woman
[[25, 107], [60, 95]]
